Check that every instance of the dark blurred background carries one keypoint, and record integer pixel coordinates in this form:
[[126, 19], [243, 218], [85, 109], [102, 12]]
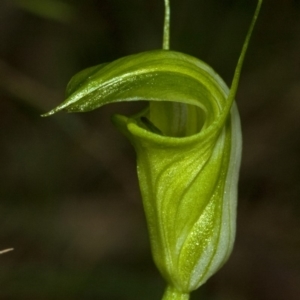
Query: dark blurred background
[[69, 198]]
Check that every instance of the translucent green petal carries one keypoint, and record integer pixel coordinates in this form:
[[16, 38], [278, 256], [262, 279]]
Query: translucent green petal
[[187, 173], [189, 191], [188, 145], [155, 76]]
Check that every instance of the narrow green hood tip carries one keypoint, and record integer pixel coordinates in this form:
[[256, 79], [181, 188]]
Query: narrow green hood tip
[[188, 145]]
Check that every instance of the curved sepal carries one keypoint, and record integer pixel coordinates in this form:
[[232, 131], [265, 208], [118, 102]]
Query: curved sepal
[[157, 75]]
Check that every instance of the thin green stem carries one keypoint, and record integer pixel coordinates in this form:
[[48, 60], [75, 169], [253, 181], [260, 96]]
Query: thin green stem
[[166, 36], [169, 108], [172, 294], [237, 73]]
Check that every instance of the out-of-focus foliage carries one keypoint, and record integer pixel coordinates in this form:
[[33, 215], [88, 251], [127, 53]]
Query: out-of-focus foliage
[[49, 9], [78, 229]]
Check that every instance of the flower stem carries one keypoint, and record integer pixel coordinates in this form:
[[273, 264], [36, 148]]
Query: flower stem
[[172, 294], [166, 35], [237, 72], [163, 109]]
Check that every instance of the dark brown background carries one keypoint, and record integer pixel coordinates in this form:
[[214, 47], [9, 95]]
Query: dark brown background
[[69, 199]]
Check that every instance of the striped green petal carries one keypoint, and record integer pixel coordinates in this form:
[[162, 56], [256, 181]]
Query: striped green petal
[[188, 151], [189, 191], [188, 145]]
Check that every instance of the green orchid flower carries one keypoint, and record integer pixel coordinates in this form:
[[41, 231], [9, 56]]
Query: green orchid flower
[[188, 145]]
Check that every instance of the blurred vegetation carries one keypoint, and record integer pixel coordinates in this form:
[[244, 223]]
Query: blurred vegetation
[[69, 198]]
